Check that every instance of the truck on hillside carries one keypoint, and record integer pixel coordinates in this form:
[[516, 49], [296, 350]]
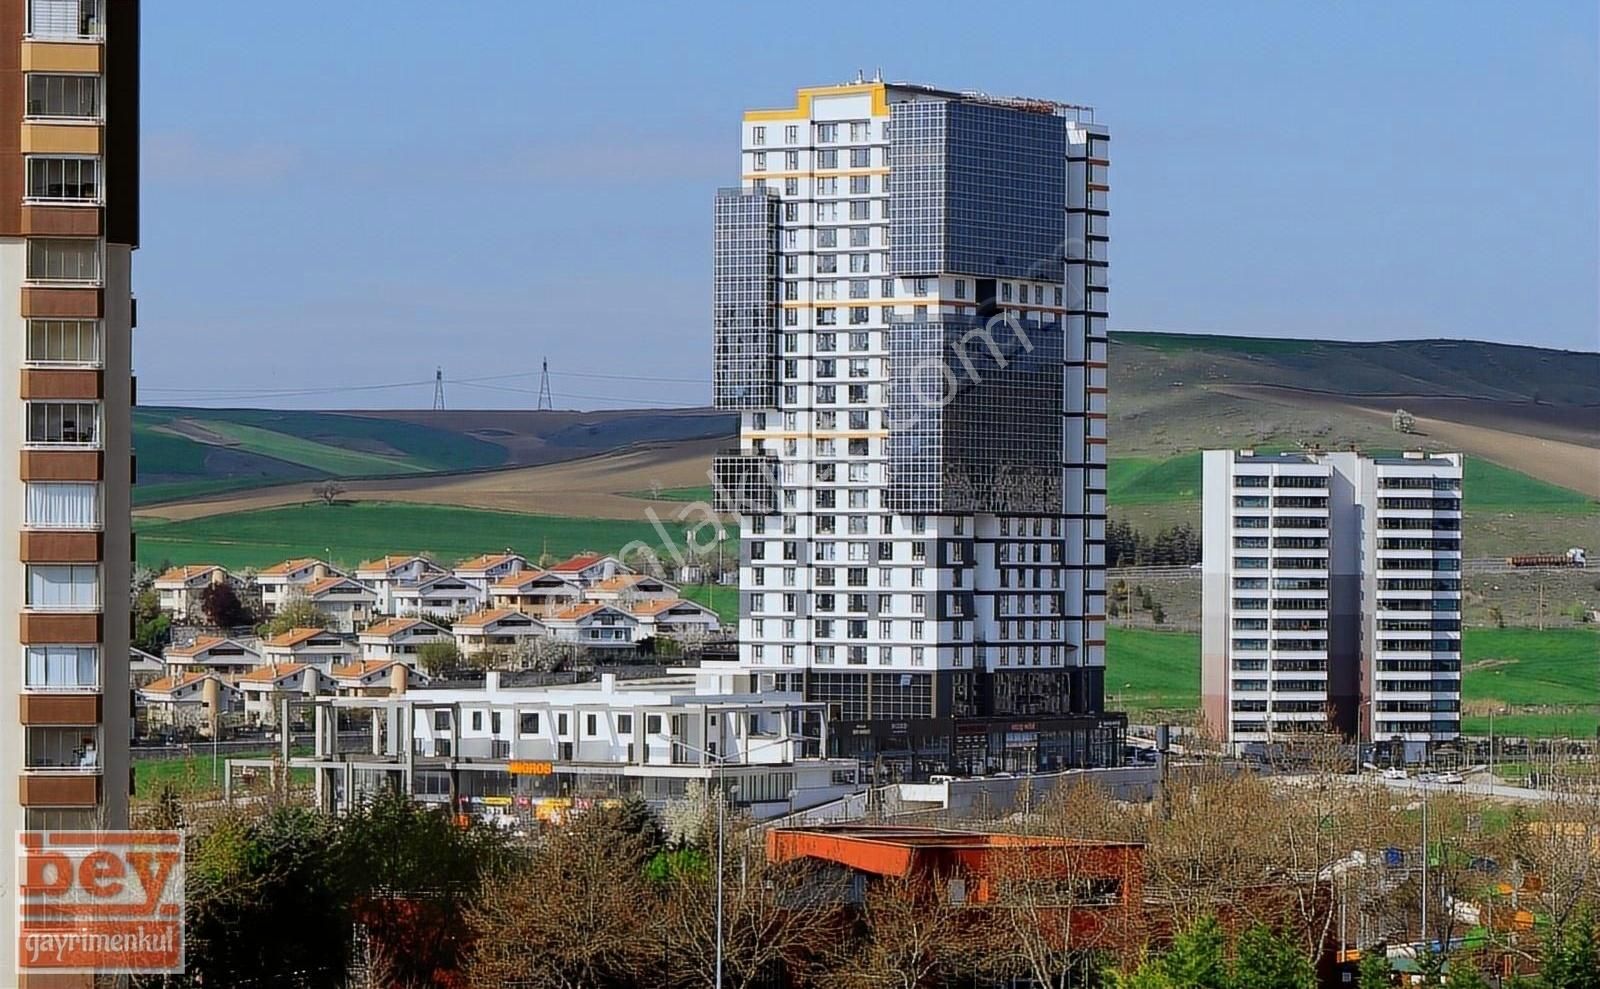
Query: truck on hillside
[[1574, 558]]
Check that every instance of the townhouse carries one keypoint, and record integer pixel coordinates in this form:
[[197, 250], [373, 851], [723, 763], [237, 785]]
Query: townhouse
[[179, 591]]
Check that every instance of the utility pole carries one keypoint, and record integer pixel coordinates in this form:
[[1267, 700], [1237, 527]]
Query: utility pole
[[546, 404], [438, 389]]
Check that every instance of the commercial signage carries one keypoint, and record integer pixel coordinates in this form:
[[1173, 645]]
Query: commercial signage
[[528, 767]]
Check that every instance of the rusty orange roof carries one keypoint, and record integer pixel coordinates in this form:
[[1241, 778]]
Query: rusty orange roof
[[657, 605], [355, 671], [295, 636], [579, 611], [623, 581], [391, 562], [579, 562], [393, 626], [168, 684], [183, 574], [271, 672], [318, 586], [200, 644], [290, 566], [514, 580], [478, 619], [487, 560]]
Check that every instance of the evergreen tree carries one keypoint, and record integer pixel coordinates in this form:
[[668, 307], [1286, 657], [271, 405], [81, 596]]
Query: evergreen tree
[[1269, 960], [1197, 958], [1571, 958], [1374, 971]]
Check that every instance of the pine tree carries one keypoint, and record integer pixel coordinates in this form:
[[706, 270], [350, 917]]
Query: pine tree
[[1269, 960]]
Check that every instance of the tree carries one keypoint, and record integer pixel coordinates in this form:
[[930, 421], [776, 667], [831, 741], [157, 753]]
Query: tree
[[1403, 421], [328, 492], [1197, 959], [1374, 970], [439, 656], [151, 627], [221, 605], [908, 936], [297, 611], [1570, 958], [1268, 960]]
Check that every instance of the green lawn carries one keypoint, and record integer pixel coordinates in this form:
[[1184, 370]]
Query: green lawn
[[322, 457], [1488, 487], [192, 776], [723, 600], [1153, 481], [353, 531], [1549, 679]]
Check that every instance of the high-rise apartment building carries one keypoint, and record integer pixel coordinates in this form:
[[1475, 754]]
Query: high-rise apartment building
[[69, 221], [910, 316], [1332, 598]]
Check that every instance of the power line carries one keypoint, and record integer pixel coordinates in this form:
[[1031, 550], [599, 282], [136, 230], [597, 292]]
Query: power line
[[438, 389], [545, 402]]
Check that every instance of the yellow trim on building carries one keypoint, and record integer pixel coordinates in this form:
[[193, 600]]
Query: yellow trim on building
[[56, 56], [61, 139], [802, 104]]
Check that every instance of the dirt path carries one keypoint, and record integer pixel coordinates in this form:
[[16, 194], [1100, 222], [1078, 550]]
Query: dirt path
[[589, 488]]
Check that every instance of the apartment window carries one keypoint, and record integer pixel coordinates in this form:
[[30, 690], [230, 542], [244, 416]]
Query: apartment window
[[860, 130], [860, 157], [590, 725], [64, 18], [791, 187], [827, 187], [75, 748], [860, 237], [63, 423], [860, 209], [62, 668], [919, 286], [859, 314], [859, 185], [791, 134], [758, 135], [477, 721], [828, 159], [63, 587], [827, 132], [828, 238], [62, 505], [63, 341], [561, 723], [528, 723], [63, 96], [52, 259], [64, 180]]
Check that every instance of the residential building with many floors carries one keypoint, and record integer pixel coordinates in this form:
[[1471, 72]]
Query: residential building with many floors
[[69, 222], [909, 309], [1332, 598]]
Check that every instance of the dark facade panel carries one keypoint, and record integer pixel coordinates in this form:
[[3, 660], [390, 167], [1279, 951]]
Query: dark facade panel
[[954, 388], [744, 304], [122, 122], [745, 484], [978, 189]]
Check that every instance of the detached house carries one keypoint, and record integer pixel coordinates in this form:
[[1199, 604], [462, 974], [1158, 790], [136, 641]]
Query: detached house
[[189, 700], [589, 569], [482, 571], [399, 639], [594, 625], [265, 689], [180, 589], [214, 653], [495, 629], [348, 604], [536, 592], [444, 594], [377, 678], [674, 617], [624, 589], [279, 581], [388, 573], [315, 647]]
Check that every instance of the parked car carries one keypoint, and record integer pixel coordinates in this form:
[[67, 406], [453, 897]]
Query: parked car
[[1451, 779], [1394, 773]]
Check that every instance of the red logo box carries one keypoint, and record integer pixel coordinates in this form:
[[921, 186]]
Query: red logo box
[[100, 902]]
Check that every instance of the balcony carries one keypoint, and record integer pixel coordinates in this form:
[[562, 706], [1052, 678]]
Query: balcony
[[66, 20], [62, 749]]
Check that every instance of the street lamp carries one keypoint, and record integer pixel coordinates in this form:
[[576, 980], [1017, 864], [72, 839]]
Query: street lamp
[[722, 808]]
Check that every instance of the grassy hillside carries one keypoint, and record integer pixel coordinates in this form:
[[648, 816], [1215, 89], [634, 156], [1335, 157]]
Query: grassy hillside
[[1537, 682], [351, 532]]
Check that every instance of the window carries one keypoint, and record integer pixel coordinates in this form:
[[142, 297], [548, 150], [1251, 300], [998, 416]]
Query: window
[[61, 260], [590, 725], [561, 723], [64, 179], [63, 423], [63, 341], [828, 237], [860, 237], [860, 209], [758, 135], [75, 748], [62, 668], [791, 187], [477, 721], [827, 132], [62, 505], [64, 18], [859, 185], [528, 723], [63, 587], [860, 130], [860, 157], [63, 96], [828, 159], [624, 724], [759, 163], [791, 134]]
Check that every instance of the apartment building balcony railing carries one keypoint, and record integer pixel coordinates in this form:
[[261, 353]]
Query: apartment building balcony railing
[[66, 20]]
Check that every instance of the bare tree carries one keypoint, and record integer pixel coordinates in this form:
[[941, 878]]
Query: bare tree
[[908, 935], [328, 492]]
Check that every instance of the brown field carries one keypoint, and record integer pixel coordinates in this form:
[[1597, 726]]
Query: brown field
[[593, 487]]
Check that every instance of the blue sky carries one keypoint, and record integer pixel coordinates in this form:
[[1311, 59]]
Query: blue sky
[[340, 196]]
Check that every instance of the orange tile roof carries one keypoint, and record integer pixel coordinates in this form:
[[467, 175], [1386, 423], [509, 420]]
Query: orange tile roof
[[390, 562], [355, 671], [168, 684], [580, 562], [658, 605], [318, 586], [487, 560], [622, 581], [480, 618], [394, 626], [289, 566], [184, 573], [517, 580], [275, 671], [200, 644], [295, 636], [578, 611]]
